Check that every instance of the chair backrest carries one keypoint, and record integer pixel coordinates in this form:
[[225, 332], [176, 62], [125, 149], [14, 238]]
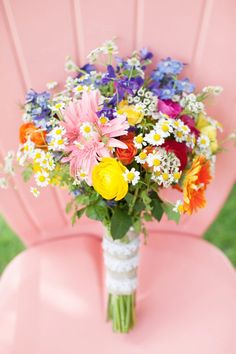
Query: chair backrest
[[35, 38]]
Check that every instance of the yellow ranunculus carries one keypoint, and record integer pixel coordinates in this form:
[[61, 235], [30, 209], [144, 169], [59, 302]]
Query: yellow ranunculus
[[108, 179], [210, 131], [133, 114], [202, 122]]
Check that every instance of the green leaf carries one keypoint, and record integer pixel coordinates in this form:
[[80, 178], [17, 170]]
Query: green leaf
[[171, 214], [120, 223], [147, 216], [146, 199], [27, 173], [96, 212], [157, 209], [80, 212], [69, 206]]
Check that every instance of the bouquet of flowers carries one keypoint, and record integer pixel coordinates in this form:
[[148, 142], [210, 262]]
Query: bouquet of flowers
[[115, 135]]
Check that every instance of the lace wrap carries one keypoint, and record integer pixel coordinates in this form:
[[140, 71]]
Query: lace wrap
[[121, 261]]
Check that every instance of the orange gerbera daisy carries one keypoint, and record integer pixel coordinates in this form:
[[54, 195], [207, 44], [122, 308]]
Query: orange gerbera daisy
[[195, 182]]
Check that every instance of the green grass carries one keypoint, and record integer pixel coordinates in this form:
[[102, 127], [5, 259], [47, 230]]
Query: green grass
[[221, 233]]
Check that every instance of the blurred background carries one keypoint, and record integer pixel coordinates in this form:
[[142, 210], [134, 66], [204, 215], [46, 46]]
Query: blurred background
[[221, 233]]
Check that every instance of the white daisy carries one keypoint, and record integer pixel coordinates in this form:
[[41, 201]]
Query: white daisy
[[132, 176], [155, 137], [165, 126], [86, 129], [38, 155], [35, 191], [42, 178], [154, 160], [203, 141], [142, 157], [139, 141], [178, 208], [51, 85]]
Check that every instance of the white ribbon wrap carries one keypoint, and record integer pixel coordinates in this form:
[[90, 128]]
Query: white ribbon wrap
[[121, 261]]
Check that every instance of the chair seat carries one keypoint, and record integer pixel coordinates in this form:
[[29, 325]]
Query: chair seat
[[52, 300]]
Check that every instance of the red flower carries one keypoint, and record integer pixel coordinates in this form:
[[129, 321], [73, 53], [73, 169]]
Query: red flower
[[126, 156], [179, 149], [35, 134]]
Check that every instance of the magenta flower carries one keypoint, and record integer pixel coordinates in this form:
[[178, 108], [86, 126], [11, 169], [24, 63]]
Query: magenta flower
[[172, 109]]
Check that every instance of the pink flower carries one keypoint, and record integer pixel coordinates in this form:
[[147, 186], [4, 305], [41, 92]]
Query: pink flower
[[172, 109], [89, 137], [82, 111]]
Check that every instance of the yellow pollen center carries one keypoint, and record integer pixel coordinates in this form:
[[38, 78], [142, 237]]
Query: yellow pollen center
[[87, 129], [156, 137], [139, 139], [143, 155], [165, 128], [42, 178], [180, 208], [176, 175], [103, 120], [165, 176], [60, 142], [156, 162], [179, 134], [130, 176]]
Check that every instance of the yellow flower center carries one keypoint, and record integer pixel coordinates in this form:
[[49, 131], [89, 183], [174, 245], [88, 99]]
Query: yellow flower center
[[42, 178], [156, 162], [203, 141], [103, 120], [139, 139], [87, 129], [156, 137], [177, 175], [165, 128], [165, 176], [142, 155], [181, 208], [179, 134], [60, 142], [130, 176], [58, 131]]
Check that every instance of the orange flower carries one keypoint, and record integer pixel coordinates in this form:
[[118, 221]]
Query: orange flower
[[36, 135], [126, 156], [195, 182]]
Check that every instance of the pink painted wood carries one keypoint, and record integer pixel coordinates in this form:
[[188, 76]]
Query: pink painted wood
[[189, 305]]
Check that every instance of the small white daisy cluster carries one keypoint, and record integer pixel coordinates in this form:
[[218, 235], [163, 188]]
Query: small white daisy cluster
[[132, 176], [167, 126], [191, 104], [213, 90], [203, 146], [43, 159], [70, 65], [25, 152], [108, 47], [57, 139], [164, 165], [145, 100]]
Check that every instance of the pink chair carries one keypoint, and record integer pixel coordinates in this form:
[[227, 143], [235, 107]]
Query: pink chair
[[52, 297]]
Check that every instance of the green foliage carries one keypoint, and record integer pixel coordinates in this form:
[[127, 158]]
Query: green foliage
[[120, 223], [171, 214], [27, 173]]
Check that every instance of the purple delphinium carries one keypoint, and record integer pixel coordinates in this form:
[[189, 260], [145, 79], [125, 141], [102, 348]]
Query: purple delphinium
[[38, 107]]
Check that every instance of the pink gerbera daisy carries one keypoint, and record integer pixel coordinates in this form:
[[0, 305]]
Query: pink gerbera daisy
[[90, 137]]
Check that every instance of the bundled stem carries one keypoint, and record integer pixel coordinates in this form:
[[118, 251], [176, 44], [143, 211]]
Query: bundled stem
[[121, 311]]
